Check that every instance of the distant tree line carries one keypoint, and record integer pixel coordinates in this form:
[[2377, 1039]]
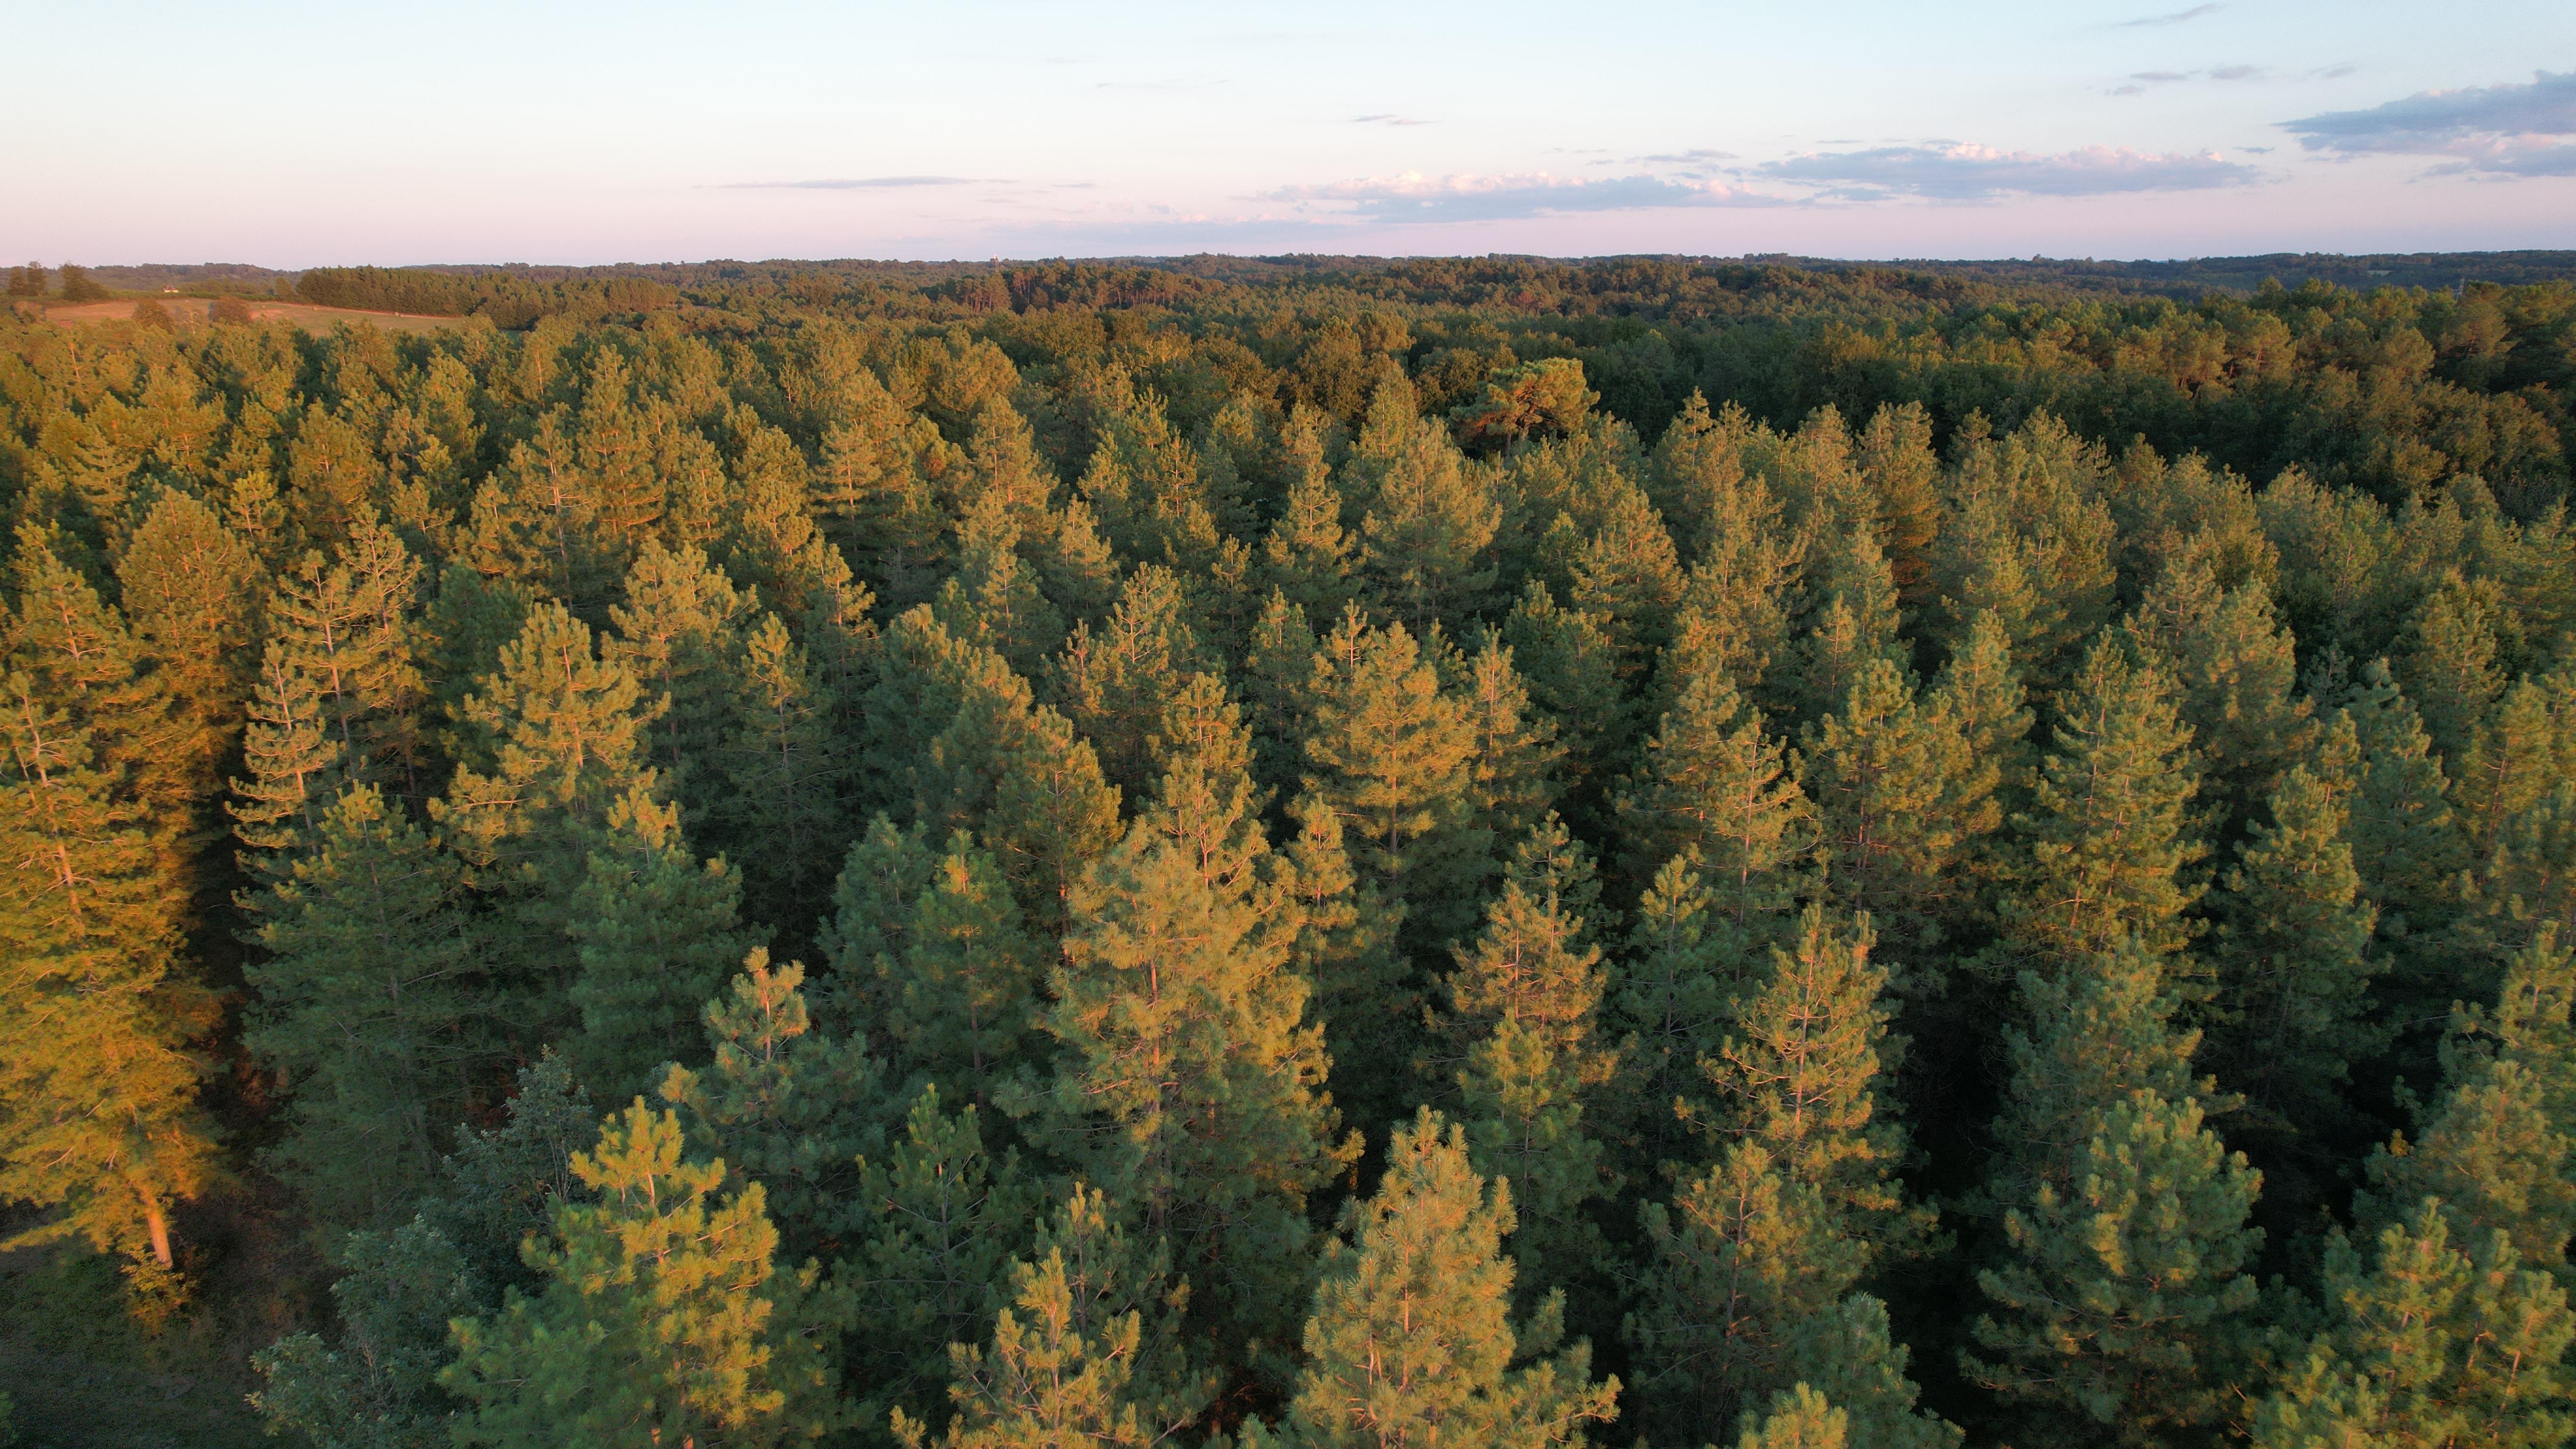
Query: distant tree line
[[509, 301]]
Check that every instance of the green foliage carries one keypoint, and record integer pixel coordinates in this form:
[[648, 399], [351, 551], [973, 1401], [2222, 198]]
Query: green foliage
[[655, 930], [377, 1387], [1187, 1085], [2108, 833], [663, 1314], [2120, 1290], [1716, 786], [792, 1108], [2432, 1345], [1426, 517], [2293, 959], [1087, 1352], [101, 1122], [938, 1223], [1392, 754], [1412, 1339], [2115, 1300], [375, 1001], [1196, 671]]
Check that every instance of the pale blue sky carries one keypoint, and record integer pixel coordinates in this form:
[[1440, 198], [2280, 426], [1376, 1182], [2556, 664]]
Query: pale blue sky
[[296, 134]]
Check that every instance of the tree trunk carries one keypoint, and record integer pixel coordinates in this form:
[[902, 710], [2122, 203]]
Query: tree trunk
[[159, 1226]]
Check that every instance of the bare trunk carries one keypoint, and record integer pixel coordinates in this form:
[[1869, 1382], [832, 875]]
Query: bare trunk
[[159, 1226]]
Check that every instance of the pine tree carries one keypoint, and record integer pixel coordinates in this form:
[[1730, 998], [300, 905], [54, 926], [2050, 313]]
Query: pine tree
[[1735, 606], [2236, 678], [536, 519], [1799, 1419], [101, 1118], [679, 634], [1004, 473], [2407, 846], [960, 997], [1895, 457], [1899, 801], [2456, 1333], [1735, 1265], [2494, 1148], [1751, 1266], [1670, 999], [503, 1183], [2451, 670], [871, 491], [1054, 815], [2120, 1284], [2516, 756], [1276, 680], [2085, 1040], [655, 931], [349, 632], [793, 1108], [371, 1002], [664, 1316], [1426, 516], [2109, 841], [1629, 574], [994, 598], [467, 624], [378, 1387], [292, 760], [1393, 756], [1364, 992], [2433, 1345], [1523, 1004], [1697, 479], [1187, 1086], [937, 1223], [1851, 618], [1795, 1075], [568, 734], [784, 773], [1572, 669], [2527, 883], [2117, 1297], [956, 742], [1085, 1353], [1306, 556], [186, 582], [1412, 1340], [1516, 752], [2292, 959], [1535, 964], [1850, 1351], [83, 659], [2027, 534], [1714, 786], [1112, 684], [1980, 692]]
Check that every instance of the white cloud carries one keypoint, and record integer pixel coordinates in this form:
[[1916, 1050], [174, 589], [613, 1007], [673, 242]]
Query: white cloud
[[1414, 197], [854, 183], [2502, 130], [2176, 17], [1956, 172]]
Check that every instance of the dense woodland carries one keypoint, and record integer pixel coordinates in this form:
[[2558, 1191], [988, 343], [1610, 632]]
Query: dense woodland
[[1452, 853]]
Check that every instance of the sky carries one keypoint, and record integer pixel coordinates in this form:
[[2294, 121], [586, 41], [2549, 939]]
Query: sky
[[542, 131]]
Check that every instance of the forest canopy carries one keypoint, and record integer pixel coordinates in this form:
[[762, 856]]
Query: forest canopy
[[1474, 851]]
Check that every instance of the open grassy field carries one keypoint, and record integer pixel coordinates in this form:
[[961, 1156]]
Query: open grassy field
[[194, 311]]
